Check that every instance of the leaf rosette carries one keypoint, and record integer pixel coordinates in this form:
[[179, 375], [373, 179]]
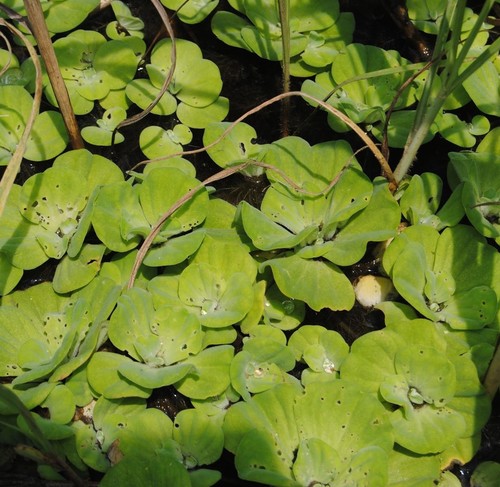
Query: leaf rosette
[[94, 68], [447, 277], [317, 31], [430, 411], [312, 226], [289, 436], [194, 92]]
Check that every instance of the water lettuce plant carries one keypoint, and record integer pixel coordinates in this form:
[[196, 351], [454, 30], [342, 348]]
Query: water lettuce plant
[[323, 220], [88, 65], [317, 31], [177, 327], [48, 137]]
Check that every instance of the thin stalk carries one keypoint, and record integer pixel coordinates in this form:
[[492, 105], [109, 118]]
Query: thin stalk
[[12, 168], [431, 103], [173, 59], [39, 30], [466, 47], [284, 11], [456, 19]]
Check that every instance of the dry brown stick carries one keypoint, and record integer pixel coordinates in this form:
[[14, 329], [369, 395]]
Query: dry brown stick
[[12, 168], [39, 30]]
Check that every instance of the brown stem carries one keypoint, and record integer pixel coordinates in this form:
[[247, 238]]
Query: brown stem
[[166, 22], [39, 30]]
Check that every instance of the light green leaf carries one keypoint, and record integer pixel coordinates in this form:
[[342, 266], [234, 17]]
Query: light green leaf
[[104, 378], [216, 299], [316, 462], [212, 373], [74, 273], [175, 250], [318, 283], [160, 468], [201, 439], [238, 145], [48, 137], [199, 117], [155, 201], [154, 378], [191, 12]]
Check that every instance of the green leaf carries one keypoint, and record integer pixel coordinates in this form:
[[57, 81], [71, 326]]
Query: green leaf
[[375, 223], [212, 373], [156, 142], [154, 378], [268, 235], [455, 130], [192, 12], [155, 200], [64, 16], [48, 138], [430, 430], [357, 60], [74, 273], [18, 236], [200, 438], [271, 415], [161, 468], [61, 404], [399, 127], [200, 117], [344, 417], [260, 459], [9, 275], [37, 334], [483, 86], [280, 311], [319, 284], [480, 195], [123, 233], [104, 378], [470, 310], [158, 337], [316, 461], [125, 24], [174, 250], [238, 145], [142, 92], [102, 134], [321, 349], [218, 300], [53, 200]]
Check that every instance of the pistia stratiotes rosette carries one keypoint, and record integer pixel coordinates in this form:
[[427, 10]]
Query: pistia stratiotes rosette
[[312, 227], [429, 411], [318, 31]]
